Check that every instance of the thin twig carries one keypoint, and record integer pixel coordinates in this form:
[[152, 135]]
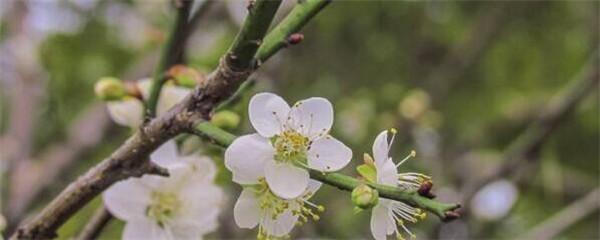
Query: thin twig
[[94, 227], [172, 51], [562, 220]]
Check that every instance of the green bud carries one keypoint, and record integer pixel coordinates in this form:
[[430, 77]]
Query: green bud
[[185, 76], [365, 197], [226, 119], [110, 89]]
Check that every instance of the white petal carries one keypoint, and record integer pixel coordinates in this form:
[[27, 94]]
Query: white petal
[[381, 148], [282, 225], [246, 157], [387, 173], [246, 211], [169, 96], [312, 117], [380, 219], [328, 154], [128, 112], [285, 180], [202, 203], [166, 155], [144, 87], [202, 166], [127, 200], [268, 112], [145, 229], [313, 186]]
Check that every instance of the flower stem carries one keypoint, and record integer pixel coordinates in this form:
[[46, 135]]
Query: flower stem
[[170, 53], [251, 35], [443, 210]]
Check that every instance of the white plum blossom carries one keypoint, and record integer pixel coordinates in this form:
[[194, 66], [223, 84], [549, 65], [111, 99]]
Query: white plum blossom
[[389, 215], [275, 216], [184, 205], [130, 110], [289, 140]]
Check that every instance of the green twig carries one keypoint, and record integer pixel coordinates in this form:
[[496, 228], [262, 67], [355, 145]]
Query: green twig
[[343, 182], [170, 53], [251, 35], [293, 22]]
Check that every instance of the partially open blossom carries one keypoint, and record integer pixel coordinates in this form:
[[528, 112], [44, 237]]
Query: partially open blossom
[[184, 205], [288, 142], [129, 111], [389, 216]]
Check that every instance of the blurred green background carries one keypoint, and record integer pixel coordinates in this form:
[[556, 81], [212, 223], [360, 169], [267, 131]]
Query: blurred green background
[[461, 81]]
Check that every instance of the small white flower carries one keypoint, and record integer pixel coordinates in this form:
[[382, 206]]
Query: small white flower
[[389, 215], [275, 216], [289, 140], [184, 205], [130, 111]]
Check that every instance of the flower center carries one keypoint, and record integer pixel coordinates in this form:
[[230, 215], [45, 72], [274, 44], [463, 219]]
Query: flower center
[[273, 206], [291, 146], [162, 207]]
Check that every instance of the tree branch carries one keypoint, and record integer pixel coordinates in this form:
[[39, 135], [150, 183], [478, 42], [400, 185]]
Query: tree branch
[[171, 52], [131, 158], [293, 22], [343, 182]]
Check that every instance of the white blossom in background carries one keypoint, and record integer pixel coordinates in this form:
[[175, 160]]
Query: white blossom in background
[[130, 111], [388, 215], [495, 200], [259, 206], [287, 143], [184, 205]]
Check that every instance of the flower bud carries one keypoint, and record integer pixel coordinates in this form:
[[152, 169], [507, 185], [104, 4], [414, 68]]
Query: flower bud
[[365, 197], [185, 76], [225, 119], [295, 38], [110, 89]]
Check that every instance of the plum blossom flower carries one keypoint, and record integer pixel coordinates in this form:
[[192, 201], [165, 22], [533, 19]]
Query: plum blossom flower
[[184, 205], [287, 142], [275, 216], [130, 110], [388, 215]]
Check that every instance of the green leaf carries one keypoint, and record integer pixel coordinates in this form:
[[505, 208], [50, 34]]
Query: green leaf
[[368, 172]]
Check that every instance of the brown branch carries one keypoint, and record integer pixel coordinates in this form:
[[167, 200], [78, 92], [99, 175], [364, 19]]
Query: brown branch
[[562, 220], [131, 159], [94, 227]]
